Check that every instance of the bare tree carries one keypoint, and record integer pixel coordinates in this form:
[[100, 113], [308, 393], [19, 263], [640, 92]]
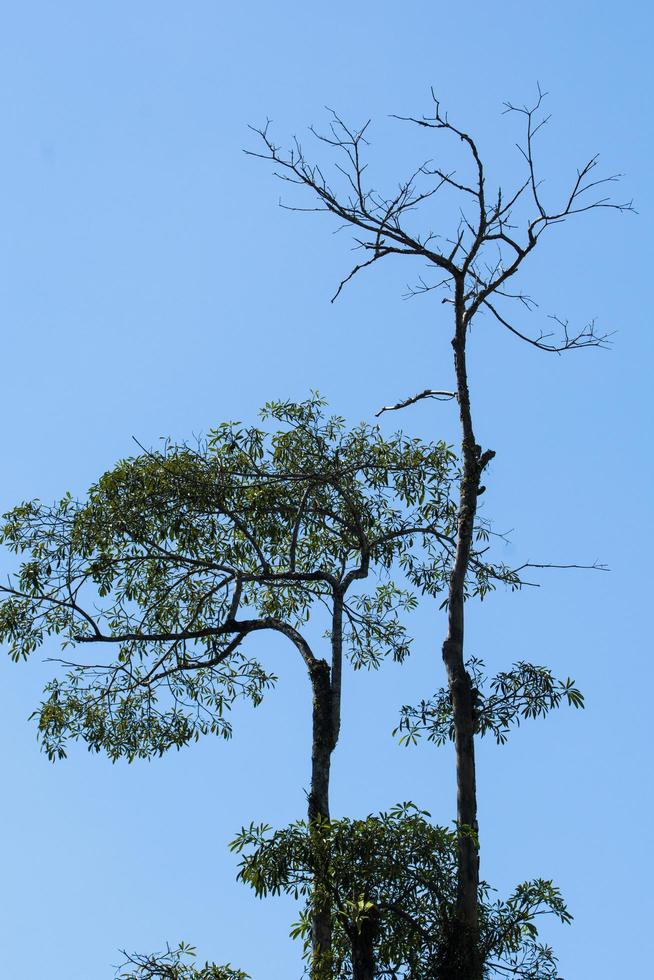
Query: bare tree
[[474, 265]]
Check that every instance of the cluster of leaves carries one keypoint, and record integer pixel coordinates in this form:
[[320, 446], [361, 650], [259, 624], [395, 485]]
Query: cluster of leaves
[[525, 691], [170, 546], [120, 711], [175, 963], [427, 570], [397, 872], [373, 628]]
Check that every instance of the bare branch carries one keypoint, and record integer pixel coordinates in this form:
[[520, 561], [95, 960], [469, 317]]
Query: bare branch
[[440, 396], [352, 274], [584, 338], [596, 566]]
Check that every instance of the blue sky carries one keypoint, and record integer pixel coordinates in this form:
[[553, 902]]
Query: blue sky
[[150, 286]]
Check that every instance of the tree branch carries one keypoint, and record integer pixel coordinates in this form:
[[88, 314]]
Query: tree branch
[[427, 393]]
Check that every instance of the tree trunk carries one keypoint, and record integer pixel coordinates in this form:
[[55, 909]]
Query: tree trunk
[[321, 750], [462, 960], [321, 740], [363, 946], [326, 723]]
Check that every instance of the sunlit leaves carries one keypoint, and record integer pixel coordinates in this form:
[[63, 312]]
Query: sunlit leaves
[[525, 691], [174, 963], [399, 869], [118, 712], [374, 628], [177, 554]]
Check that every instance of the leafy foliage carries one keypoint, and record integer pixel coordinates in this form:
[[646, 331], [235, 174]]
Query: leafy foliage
[[174, 964], [373, 627], [169, 547], [397, 872], [525, 691]]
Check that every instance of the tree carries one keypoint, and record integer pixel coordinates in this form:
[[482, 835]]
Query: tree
[[391, 884], [474, 264], [176, 557]]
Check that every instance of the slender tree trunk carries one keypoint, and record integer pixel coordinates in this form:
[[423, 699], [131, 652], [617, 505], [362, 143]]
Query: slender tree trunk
[[321, 750], [326, 720], [363, 939], [337, 664], [322, 746], [321, 741], [462, 960]]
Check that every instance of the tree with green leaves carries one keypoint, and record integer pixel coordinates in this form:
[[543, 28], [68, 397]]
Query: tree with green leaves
[[390, 881], [176, 557], [472, 264]]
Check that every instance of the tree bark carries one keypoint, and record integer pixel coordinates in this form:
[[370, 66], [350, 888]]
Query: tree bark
[[321, 740], [462, 960], [326, 720], [363, 947], [321, 750]]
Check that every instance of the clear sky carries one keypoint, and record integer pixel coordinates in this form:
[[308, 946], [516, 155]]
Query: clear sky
[[149, 285]]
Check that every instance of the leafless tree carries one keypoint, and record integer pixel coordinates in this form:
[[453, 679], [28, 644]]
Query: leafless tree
[[474, 265]]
